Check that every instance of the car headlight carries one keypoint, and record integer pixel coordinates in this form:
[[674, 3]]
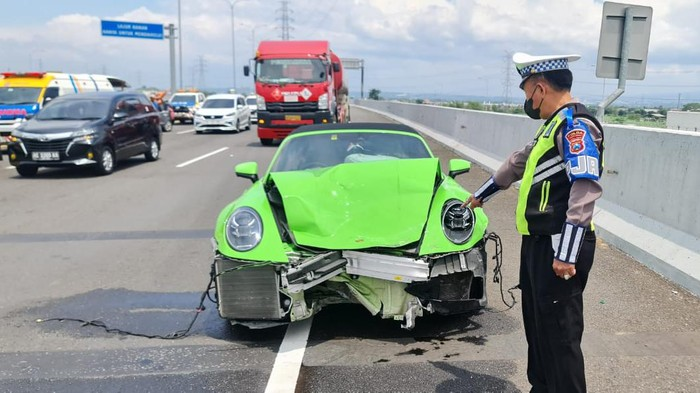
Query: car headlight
[[457, 222], [323, 101], [261, 103], [86, 134], [244, 229]]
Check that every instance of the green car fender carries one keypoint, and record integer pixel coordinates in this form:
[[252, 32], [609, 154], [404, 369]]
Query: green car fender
[[434, 239], [271, 248]]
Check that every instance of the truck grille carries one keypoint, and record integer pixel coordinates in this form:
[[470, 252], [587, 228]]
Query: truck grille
[[292, 106], [59, 145], [247, 293]]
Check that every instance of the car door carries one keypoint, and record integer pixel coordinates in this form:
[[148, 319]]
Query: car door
[[121, 131]]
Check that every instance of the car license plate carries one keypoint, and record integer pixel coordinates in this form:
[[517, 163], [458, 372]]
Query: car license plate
[[45, 156], [292, 117]]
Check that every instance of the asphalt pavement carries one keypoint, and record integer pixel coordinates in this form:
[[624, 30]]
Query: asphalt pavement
[[132, 250]]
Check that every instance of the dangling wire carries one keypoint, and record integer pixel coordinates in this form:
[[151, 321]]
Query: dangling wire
[[497, 274]]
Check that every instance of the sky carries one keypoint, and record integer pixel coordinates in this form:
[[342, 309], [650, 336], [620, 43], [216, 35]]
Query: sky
[[410, 47]]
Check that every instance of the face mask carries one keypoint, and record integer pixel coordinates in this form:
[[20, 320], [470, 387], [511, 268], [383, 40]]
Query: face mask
[[529, 110]]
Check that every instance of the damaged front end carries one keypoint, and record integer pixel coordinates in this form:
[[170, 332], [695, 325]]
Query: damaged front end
[[391, 286]]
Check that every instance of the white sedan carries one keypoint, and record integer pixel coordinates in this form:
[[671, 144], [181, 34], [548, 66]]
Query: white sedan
[[224, 112]]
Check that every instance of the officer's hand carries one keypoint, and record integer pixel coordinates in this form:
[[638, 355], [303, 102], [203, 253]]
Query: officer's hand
[[472, 202], [563, 270]]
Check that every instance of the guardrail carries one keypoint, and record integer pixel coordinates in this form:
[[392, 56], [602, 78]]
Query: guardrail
[[651, 181]]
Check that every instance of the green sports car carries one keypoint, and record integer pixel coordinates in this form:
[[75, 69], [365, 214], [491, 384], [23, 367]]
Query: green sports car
[[350, 213]]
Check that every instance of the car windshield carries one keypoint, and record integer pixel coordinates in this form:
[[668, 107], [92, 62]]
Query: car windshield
[[219, 103], [325, 150], [291, 71], [187, 99], [19, 95], [251, 101], [72, 109]]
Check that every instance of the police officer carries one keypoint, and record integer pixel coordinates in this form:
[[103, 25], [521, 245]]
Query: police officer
[[559, 172]]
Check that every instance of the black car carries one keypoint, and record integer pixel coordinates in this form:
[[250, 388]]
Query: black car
[[91, 129]]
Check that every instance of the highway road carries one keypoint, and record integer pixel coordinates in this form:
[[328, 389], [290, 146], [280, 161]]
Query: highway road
[[132, 250]]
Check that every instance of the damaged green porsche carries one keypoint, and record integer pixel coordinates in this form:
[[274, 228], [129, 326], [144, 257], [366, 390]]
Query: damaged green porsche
[[350, 213]]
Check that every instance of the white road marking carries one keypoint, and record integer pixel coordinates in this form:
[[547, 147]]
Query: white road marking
[[185, 131], [192, 161], [9, 167], [285, 372]]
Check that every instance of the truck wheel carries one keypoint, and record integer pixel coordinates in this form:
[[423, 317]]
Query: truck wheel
[[266, 141], [105, 161], [27, 170]]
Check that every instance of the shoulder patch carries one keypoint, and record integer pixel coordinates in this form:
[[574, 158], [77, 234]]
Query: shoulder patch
[[576, 138]]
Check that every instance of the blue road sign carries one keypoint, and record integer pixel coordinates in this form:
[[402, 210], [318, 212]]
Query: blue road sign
[[132, 30]]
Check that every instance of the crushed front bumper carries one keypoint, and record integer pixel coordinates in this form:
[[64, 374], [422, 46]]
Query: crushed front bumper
[[395, 287]]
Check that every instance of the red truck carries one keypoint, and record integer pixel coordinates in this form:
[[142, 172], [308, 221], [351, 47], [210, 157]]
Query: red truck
[[297, 83]]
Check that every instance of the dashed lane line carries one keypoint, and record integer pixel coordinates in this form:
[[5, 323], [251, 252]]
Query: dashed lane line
[[192, 161], [285, 371]]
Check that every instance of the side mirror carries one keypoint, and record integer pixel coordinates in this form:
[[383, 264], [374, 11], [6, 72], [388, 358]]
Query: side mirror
[[120, 115], [47, 100], [247, 170], [336, 67], [246, 70], [458, 166]]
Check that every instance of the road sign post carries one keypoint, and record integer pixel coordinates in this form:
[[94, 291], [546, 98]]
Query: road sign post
[[356, 64], [153, 31], [623, 47]]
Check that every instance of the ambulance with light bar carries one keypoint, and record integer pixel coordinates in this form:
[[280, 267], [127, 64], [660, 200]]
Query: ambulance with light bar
[[22, 95]]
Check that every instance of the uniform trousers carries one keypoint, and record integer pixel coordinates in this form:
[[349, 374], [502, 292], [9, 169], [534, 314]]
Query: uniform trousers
[[553, 316]]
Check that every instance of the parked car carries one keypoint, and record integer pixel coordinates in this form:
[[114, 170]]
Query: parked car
[[225, 112], [350, 213], [185, 105], [89, 129], [252, 102]]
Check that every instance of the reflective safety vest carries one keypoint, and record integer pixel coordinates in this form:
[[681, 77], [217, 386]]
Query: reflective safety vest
[[544, 190]]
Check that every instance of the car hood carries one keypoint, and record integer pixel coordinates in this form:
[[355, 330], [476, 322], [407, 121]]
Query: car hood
[[36, 126], [359, 205], [215, 111]]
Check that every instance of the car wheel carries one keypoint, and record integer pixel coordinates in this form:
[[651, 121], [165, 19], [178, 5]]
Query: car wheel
[[167, 127], [153, 152], [249, 124], [27, 170], [266, 141], [198, 132], [105, 161], [238, 126]]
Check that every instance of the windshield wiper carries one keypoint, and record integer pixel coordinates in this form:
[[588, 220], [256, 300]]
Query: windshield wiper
[[86, 118]]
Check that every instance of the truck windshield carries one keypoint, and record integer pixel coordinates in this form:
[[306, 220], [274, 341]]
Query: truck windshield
[[74, 109], [291, 71], [19, 95]]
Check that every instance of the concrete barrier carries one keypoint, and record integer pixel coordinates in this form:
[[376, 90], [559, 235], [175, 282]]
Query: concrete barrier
[[651, 179]]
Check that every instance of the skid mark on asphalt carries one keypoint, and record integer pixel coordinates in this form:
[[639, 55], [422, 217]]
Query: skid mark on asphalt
[[116, 235], [192, 161]]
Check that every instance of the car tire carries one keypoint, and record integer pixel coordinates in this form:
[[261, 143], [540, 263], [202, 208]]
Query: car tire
[[238, 126], [153, 152], [27, 170], [105, 161], [266, 141], [167, 127], [250, 124], [197, 132]]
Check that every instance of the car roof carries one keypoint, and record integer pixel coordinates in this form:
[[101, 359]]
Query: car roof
[[355, 126], [224, 96]]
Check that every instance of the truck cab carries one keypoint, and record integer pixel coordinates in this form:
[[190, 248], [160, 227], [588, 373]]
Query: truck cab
[[296, 83]]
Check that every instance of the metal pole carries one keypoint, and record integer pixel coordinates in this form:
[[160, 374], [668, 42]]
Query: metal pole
[[171, 38], [179, 26], [624, 57], [233, 44], [362, 80]]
